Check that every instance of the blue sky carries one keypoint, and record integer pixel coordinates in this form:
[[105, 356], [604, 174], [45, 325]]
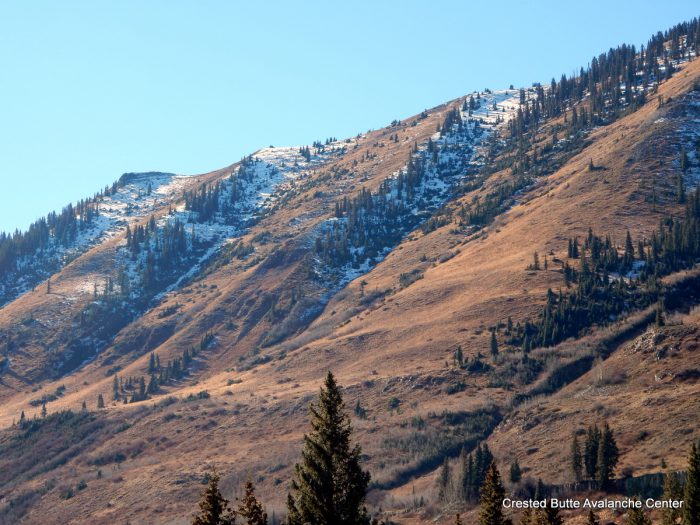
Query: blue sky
[[90, 90]]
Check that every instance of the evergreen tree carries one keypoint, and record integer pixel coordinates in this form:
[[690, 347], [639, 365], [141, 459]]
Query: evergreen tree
[[100, 401], [637, 517], [250, 508], [152, 364], [492, 496], [43, 410], [607, 458], [691, 501], [576, 459], [444, 480], [329, 486], [515, 472], [459, 356], [494, 344], [115, 388], [549, 516], [673, 490], [214, 509], [590, 455]]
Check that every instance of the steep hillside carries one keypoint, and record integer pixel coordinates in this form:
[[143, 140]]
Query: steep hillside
[[205, 310]]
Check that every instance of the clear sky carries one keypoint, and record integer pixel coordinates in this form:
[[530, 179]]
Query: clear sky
[[89, 90]]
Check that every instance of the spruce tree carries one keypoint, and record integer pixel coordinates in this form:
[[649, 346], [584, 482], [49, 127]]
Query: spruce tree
[[691, 502], [515, 472], [494, 344], [576, 459], [638, 517], [214, 509], [673, 490], [549, 516], [329, 485], [491, 502], [100, 401], [250, 509], [607, 458], [444, 480], [590, 455]]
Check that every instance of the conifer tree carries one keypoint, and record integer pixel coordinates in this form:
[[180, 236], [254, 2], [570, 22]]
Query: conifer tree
[[444, 480], [590, 456], [214, 509], [100, 401], [329, 485], [515, 472], [691, 501], [250, 509], [494, 344], [549, 516], [576, 459], [43, 410], [491, 502], [673, 490], [607, 458], [637, 516]]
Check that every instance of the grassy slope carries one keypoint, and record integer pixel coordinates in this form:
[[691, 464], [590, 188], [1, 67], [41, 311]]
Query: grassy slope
[[392, 348]]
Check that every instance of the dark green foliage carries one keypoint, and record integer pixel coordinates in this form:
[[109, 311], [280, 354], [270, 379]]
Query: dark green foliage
[[637, 516], [590, 451], [576, 459], [213, 507], [491, 500], [549, 516], [494, 344], [475, 468], [691, 510], [444, 480], [515, 472], [607, 458], [329, 485], [250, 509], [673, 490]]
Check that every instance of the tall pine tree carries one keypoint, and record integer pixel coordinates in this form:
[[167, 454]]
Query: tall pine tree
[[691, 502], [250, 509], [492, 495], [213, 507], [329, 485]]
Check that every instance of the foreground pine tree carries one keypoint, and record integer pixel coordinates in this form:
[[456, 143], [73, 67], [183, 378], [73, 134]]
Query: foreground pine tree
[[549, 516], [329, 486], [638, 517], [673, 490], [691, 511], [250, 509], [214, 509], [492, 495]]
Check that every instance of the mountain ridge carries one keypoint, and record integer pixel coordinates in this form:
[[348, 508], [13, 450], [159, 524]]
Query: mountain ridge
[[286, 288]]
